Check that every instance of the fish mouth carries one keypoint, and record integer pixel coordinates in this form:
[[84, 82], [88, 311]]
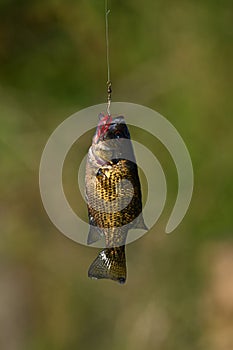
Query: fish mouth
[[110, 128], [117, 130]]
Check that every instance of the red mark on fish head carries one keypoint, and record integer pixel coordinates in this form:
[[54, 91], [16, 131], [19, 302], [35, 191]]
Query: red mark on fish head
[[103, 126]]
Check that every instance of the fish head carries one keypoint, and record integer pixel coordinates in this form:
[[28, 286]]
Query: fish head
[[111, 140]]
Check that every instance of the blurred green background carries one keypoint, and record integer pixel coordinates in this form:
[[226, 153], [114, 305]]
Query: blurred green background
[[174, 57]]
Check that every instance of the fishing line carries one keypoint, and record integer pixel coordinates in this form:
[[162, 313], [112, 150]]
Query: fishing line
[[109, 83]]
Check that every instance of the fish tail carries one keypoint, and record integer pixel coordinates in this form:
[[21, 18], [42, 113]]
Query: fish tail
[[110, 264]]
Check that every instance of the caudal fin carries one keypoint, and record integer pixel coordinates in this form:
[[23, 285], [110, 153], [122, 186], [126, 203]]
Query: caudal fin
[[110, 264]]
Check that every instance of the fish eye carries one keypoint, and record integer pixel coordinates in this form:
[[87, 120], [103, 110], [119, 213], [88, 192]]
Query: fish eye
[[99, 173]]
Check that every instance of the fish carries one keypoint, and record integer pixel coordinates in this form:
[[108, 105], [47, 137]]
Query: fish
[[113, 196]]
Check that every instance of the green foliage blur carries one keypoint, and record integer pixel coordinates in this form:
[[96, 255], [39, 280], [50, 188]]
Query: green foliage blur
[[174, 57]]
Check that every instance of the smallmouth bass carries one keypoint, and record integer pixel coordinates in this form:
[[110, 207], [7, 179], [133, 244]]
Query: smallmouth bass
[[113, 195]]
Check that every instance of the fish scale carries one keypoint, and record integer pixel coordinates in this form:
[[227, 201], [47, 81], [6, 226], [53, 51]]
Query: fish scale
[[105, 188]]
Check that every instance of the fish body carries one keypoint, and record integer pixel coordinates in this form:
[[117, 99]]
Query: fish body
[[113, 195]]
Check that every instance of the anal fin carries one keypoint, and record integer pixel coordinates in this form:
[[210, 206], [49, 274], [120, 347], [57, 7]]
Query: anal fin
[[94, 235]]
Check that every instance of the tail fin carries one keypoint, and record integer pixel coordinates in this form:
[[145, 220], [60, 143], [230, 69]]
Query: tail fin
[[111, 264]]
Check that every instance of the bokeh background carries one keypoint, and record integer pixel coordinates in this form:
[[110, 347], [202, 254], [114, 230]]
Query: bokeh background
[[174, 57]]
